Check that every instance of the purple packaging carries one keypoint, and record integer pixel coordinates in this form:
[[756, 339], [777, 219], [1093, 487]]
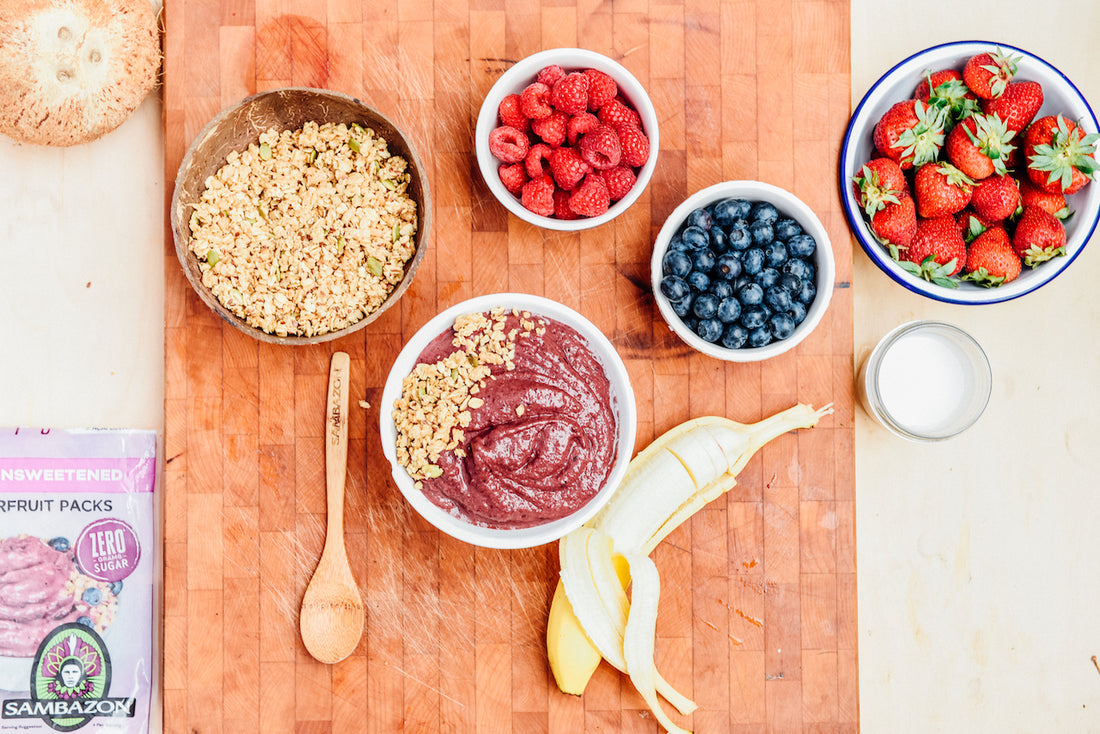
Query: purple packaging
[[76, 579]]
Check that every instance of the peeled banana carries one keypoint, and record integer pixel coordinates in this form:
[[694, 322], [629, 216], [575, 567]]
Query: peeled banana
[[591, 616]]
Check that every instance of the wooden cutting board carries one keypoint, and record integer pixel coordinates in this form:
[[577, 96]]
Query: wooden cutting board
[[758, 615]]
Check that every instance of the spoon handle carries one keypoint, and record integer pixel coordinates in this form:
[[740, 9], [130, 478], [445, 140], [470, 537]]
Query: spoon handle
[[336, 444]]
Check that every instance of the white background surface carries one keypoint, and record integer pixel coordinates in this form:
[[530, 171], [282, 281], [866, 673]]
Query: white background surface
[[978, 557]]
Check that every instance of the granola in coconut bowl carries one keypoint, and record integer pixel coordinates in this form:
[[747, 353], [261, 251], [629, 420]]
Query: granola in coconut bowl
[[306, 231]]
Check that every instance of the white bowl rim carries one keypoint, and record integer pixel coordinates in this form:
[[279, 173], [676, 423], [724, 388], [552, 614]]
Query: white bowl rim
[[622, 401], [879, 255], [790, 205], [632, 90]]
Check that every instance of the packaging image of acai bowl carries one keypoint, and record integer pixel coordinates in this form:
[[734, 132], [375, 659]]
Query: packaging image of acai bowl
[[76, 579]]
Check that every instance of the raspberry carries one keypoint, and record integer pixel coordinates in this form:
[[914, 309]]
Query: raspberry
[[535, 101], [508, 144], [512, 176], [600, 148], [538, 196], [567, 167], [551, 129], [591, 199], [511, 114], [537, 163], [635, 146], [618, 113], [580, 124], [570, 94], [561, 205], [601, 89], [619, 180], [550, 75]]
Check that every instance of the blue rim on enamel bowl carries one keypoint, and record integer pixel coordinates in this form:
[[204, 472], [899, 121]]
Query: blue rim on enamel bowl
[[897, 84], [622, 400]]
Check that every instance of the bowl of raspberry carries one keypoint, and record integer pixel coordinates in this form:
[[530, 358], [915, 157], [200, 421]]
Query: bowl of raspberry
[[567, 139], [968, 172], [743, 271]]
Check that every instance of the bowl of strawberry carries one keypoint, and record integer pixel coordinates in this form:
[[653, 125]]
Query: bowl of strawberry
[[567, 139], [968, 172]]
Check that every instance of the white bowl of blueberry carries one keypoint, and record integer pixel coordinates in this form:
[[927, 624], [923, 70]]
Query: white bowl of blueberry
[[743, 271]]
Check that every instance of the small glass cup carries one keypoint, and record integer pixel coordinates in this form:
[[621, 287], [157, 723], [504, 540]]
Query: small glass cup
[[926, 381]]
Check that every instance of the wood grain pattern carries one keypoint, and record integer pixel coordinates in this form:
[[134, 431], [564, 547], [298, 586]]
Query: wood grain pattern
[[758, 618]]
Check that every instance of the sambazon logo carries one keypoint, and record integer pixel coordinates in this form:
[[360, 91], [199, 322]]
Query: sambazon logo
[[70, 681]]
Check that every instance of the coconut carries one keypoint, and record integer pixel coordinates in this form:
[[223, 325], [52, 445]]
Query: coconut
[[72, 70]]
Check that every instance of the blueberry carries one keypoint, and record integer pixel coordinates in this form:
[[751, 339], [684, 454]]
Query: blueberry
[[775, 254], [778, 298], [690, 322], [705, 306], [763, 211], [729, 310], [115, 587], [767, 278], [791, 282], [695, 238], [802, 245], [718, 239], [735, 336], [727, 266], [700, 218], [674, 288], [727, 210], [721, 288], [742, 280], [751, 295], [754, 316], [709, 330], [809, 290], [738, 237], [797, 312], [762, 233], [781, 325], [677, 243], [787, 228], [752, 262], [92, 596], [86, 621], [675, 262], [60, 544], [761, 336], [799, 268], [698, 281], [682, 307], [704, 260]]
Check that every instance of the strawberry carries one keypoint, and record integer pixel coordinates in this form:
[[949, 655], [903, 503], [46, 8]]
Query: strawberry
[[990, 259], [910, 132], [988, 73], [579, 125], [591, 198], [971, 225], [619, 180], [551, 129], [936, 252], [945, 90], [1061, 158], [570, 93], [601, 148], [508, 144], [979, 146], [601, 89], [549, 75], [996, 198], [895, 223], [536, 164], [933, 80], [940, 188], [1039, 236], [634, 145], [618, 113], [538, 196], [513, 176], [1017, 105], [534, 101], [510, 113], [567, 167], [561, 205], [879, 181], [1053, 202]]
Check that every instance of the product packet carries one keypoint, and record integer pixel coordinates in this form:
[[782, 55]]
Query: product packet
[[76, 579]]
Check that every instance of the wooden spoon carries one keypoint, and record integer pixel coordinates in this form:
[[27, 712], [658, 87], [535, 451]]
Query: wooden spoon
[[332, 615]]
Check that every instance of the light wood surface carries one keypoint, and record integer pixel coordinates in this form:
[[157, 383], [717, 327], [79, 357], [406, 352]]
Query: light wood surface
[[758, 619]]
